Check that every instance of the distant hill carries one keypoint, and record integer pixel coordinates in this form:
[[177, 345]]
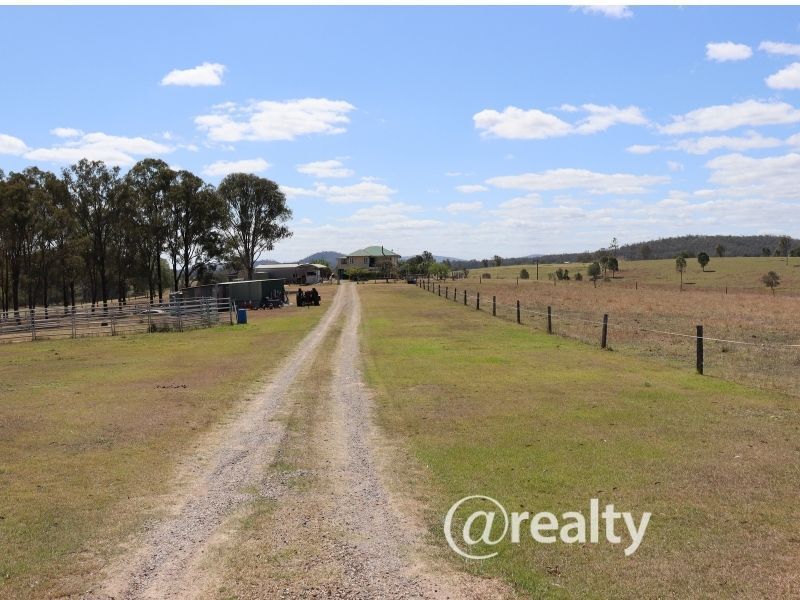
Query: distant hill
[[328, 256], [735, 245], [266, 261]]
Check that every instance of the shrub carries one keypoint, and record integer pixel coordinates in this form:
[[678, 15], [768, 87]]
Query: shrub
[[486, 276], [523, 274], [578, 277]]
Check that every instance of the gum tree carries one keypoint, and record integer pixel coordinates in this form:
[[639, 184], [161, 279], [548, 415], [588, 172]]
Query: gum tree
[[255, 213]]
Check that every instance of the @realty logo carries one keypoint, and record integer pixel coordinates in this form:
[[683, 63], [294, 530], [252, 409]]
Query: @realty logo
[[487, 522]]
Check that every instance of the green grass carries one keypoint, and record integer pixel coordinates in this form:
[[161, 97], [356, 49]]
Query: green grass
[[543, 423], [90, 430], [738, 273]]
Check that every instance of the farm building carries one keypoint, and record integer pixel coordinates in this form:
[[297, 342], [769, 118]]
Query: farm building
[[377, 260], [296, 273], [241, 292]]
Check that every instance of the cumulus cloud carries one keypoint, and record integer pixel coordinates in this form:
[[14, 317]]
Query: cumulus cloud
[[66, 132], [787, 78], [610, 11], [594, 183], [704, 145], [383, 212], [455, 208], [727, 51], [471, 189], [641, 149], [268, 120], [221, 168], [722, 117], [11, 145], [207, 74], [674, 166], [780, 48], [364, 191], [534, 124], [325, 169], [770, 177], [112, 149]]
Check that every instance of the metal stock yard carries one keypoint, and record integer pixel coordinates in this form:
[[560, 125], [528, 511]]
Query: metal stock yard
[[120, 319]]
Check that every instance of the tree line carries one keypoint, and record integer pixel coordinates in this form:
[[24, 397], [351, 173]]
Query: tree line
[[92, 234]]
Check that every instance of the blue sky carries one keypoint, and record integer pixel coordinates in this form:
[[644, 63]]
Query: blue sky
[[467, 131]]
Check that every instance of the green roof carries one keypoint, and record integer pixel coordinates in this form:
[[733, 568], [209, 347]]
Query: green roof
[[373, 251]]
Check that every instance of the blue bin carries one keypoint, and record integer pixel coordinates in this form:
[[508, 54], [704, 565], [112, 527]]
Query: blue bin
[[241, 316]]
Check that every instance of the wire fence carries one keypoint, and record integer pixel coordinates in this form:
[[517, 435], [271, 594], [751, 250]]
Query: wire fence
[[764, 364], [121, 319]]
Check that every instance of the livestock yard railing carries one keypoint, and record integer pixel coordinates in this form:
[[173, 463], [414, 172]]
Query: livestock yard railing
[[115, 319], [764, 364]]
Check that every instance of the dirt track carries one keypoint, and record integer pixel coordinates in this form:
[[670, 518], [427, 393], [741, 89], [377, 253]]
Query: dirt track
[[348, 526]]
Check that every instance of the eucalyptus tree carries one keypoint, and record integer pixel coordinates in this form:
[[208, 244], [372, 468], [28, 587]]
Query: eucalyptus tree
[[16, 224], [785, 245], [94, 186], [254, 219], [196, 213], [69, 242], [149, 182]]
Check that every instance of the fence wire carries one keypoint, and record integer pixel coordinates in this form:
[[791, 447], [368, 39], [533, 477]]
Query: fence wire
[[763, 363]]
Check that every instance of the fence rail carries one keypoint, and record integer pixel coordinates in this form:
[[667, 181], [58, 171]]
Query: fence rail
[[770, 365], [121, 319]]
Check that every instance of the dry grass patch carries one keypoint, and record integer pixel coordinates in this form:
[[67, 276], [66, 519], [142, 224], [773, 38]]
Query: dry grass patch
[[544, 423], [91, 429]]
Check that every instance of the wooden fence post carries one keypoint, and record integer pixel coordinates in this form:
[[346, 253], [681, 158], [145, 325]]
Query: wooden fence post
[[446, 290], [465, 297], [549, 319], [478, 302], [455, 294], [494, 306], [32, 317], [440, 290], [518, 319], [699, 349], [604, 335], [74, 329]]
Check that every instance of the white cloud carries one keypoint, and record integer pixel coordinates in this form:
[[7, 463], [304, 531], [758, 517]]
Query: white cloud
[[780, 48], [704, 145], [384, 212], [325, 169], [722, 117], [641, 149], [787, 78], [463, 207], [766, 178], [674, 166], [564, 179], [602, 117], [727, 51], [364, 191], [205, 74], [11, 145], [268, 121], [610, 11], [471, 189], [221, 168], [112, 149], [517, 124], [66, 132]]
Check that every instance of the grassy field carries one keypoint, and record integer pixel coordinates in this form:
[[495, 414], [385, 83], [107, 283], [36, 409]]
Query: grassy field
[[757, 327], [90, 430], [737, 273], [544, 423]]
